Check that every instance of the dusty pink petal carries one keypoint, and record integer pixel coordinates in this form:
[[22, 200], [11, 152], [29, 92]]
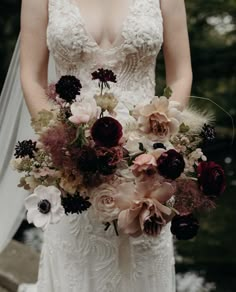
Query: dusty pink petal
[[129, 223], [133, 212], [145, 159], [125, 195], [163, 209], [79, 119], [144, 215], [127, 217], [163, 193], [143, 188]]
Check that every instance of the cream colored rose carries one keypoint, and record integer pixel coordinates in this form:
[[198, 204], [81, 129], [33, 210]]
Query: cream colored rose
[[104, 203], [107, 101], [160, 119]]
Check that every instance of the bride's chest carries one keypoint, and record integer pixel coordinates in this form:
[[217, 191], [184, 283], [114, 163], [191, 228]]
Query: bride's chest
[[70, 36]]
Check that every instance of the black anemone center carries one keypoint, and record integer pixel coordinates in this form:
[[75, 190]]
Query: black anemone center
[[44, 206], [158, 145]]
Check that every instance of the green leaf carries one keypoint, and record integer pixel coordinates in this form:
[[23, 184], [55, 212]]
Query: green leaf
[[167, 92], [80, 138], [183, 128]]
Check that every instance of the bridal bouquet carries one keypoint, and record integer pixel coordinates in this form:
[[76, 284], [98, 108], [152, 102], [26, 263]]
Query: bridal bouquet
[[138, 174]]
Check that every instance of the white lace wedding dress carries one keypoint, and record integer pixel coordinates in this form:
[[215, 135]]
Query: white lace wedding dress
[[77, 254]]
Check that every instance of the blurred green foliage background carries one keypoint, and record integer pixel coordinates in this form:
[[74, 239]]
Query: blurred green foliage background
[[212, 32]]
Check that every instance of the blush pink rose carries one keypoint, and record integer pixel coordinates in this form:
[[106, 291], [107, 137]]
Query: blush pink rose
[[83, 112], [143, 163]]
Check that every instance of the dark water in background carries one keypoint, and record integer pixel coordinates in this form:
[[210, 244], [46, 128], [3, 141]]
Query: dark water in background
[[208, 262]]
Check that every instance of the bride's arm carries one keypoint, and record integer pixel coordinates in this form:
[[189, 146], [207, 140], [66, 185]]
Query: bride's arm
[[34, 54], [176, 50]]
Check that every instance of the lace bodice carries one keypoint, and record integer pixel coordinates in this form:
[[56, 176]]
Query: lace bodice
[[132, 56], [78, 255]]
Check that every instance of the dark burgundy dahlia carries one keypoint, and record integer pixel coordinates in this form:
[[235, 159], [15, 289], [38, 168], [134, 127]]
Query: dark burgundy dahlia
[[68, 87], [184, 227], [75, 204], [211, 178], [170, 164], [104, 76], [24, 148], [106, 132]]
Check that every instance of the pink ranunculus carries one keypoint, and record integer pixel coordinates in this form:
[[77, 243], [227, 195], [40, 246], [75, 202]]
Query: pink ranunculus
[[142, 207], [83, 112], [143, 163]]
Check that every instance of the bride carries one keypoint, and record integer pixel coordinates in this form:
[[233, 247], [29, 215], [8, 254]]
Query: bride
[[126, 37]]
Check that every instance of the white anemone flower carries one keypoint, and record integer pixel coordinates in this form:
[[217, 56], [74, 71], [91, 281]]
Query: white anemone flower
[[44, 206]]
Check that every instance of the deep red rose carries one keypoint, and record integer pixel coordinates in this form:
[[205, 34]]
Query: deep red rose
[[170, 164], [106, 132], [211, 178]]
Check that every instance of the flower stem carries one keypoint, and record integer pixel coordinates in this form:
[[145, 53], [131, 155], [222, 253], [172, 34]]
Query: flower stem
[[115, 227]]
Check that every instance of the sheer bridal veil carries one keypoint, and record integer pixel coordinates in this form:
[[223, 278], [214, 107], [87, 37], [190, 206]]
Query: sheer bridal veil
[[14, 126]]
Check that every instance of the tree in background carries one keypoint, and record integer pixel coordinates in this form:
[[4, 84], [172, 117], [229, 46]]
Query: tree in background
[[9, 29], [212, 33]]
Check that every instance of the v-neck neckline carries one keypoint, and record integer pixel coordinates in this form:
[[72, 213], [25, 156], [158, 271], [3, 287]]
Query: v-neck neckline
[[114, 44]]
